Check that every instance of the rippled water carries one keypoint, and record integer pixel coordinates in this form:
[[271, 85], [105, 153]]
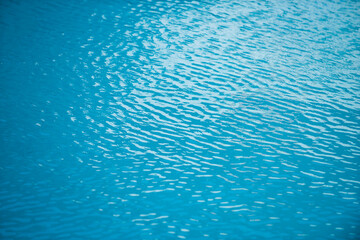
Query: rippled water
[[180, 119]]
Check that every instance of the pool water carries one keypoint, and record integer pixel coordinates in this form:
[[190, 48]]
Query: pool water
[[156, 119]]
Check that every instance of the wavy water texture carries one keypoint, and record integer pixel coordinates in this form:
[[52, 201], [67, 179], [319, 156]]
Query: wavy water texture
[[180, 119]]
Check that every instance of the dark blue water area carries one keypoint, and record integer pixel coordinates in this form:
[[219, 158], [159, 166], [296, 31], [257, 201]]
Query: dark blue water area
[[178, 119]]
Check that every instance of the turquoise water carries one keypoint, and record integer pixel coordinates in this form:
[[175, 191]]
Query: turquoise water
[[179, 119]]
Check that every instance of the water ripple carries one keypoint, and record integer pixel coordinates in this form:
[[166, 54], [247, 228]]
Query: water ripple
[[180, 120]]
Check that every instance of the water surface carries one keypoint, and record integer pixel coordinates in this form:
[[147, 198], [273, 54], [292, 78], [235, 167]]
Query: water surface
[[179, 119]]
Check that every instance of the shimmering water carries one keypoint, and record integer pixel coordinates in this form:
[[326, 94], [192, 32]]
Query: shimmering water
[[179, 119]]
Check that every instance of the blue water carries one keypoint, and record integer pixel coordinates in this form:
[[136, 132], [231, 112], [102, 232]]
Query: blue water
[[178, 119]]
